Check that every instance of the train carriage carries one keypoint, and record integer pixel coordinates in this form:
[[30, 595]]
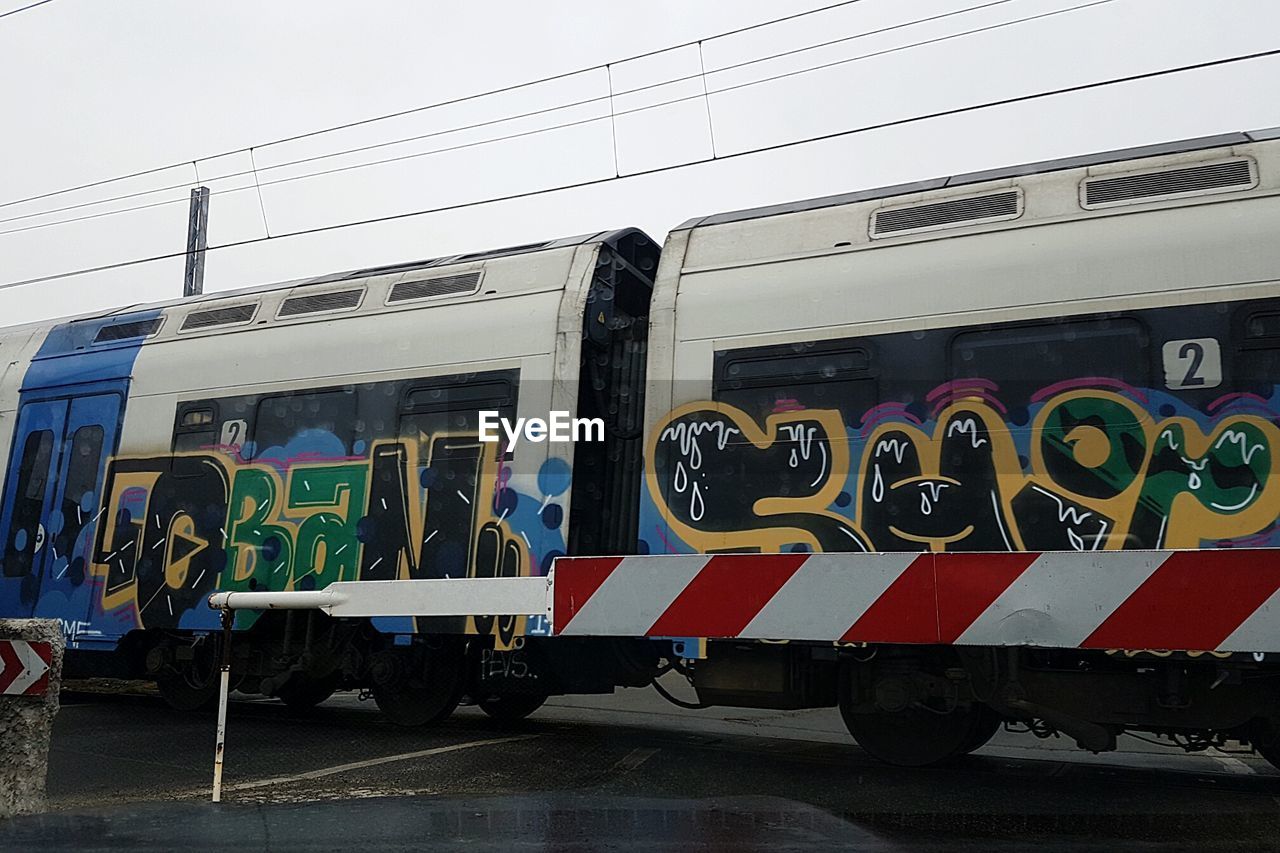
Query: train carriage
[[321, 430], [1077, 356]]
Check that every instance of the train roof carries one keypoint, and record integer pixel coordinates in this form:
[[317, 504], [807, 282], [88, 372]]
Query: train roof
[[607, 237], [1118, 155]]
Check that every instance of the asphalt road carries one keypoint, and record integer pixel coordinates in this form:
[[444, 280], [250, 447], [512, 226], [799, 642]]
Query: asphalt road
[[126, 759]]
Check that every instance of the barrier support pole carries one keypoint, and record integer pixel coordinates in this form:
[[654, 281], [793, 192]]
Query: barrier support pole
[[219, 750]]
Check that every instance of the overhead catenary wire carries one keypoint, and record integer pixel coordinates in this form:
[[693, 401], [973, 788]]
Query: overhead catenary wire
[[1017, 99], [598, 99], [24, 8], [611, 116], [435, 105]]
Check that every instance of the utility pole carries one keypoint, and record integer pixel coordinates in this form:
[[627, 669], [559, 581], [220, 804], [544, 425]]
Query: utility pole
[[197, 240]]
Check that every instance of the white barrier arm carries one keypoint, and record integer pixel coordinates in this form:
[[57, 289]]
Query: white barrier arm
[[425, 597]]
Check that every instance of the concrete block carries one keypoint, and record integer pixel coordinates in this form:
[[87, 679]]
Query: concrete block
[[26, 724]]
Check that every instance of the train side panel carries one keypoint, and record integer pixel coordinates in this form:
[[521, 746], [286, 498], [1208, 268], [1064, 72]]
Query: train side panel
[[1069, 379]]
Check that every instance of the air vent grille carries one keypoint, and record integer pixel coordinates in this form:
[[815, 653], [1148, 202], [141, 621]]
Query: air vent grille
[[314, 303], [232, 315], [1208, 177], [440, 286], [127, 331], [956, 211]]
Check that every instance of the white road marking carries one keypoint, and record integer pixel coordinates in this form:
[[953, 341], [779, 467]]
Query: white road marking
[[634, 758], [1234, 765], [372, 762]]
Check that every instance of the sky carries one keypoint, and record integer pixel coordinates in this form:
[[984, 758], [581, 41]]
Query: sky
[[96, 89]]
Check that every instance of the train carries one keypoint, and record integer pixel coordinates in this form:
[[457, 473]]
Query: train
[[1080, 355]]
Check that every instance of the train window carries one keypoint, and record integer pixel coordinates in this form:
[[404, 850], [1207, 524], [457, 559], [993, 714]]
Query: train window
[[1257, 359], [496, 394], [33, 476], [454, 407], [197, 417], [771, 380], [82, 468], [196, 427], [1021, 360], [283, 418], [34, 473]]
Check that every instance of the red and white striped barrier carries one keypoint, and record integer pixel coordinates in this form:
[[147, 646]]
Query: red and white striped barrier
[[24, 667], [1209, 600]]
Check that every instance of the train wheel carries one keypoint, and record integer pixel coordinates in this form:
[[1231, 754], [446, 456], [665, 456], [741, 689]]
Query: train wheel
[[194, 686], [984, 729], [303, 692], [915, 736], [418, 686], [510, 708], [1264, 735]]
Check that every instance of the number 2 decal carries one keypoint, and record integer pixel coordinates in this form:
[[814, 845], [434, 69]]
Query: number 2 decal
[[1193, 363], [233, 434]]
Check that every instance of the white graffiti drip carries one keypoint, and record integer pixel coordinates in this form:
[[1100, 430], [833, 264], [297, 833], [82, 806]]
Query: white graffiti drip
[[687, 432], [929, 498], [895, 446], [681, 479], [1236, 437], [877, 485], [804, 437], [969, 427], [696, 507], [1075, 516]]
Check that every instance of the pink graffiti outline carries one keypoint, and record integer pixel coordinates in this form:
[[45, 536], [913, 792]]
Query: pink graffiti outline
[[1088, 382], [1242, 400]]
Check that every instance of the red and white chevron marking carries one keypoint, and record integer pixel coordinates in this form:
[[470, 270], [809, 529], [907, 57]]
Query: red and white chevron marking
[[24, 667], [1210, 600]]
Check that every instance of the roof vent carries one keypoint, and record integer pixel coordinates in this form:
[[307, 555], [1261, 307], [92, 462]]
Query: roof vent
[[128, 330], [424, 288], [499, 253], [314, 303], [1220, 176], [233, 315], [992, 207], [369, 272]]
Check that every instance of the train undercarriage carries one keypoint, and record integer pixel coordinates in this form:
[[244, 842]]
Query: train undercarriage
[[905, 705]]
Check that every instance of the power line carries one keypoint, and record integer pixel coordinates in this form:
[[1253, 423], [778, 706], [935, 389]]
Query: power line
[[1017, 99], [24, 8], [582, 102], [564, 125], [435, 105]]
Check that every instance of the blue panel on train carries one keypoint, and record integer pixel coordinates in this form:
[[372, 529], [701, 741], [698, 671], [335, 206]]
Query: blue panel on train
[[69, 415], [90, 350]]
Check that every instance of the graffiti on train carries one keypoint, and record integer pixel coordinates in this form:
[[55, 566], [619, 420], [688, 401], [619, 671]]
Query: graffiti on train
[[1087, 469], [175, 527]]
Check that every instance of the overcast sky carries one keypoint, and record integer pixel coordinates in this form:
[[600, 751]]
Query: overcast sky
[[95, 89]]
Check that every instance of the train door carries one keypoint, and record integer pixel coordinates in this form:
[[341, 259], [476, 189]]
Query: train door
[[59, 453]]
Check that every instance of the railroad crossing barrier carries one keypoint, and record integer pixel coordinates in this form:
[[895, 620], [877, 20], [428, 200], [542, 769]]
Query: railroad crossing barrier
[[30, 675], [425, 597]]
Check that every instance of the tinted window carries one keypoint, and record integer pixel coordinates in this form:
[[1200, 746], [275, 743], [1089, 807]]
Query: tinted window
[[770, 380], [283, 418], [33, 476], [1021, 360], [196, 427], [82, 468]]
